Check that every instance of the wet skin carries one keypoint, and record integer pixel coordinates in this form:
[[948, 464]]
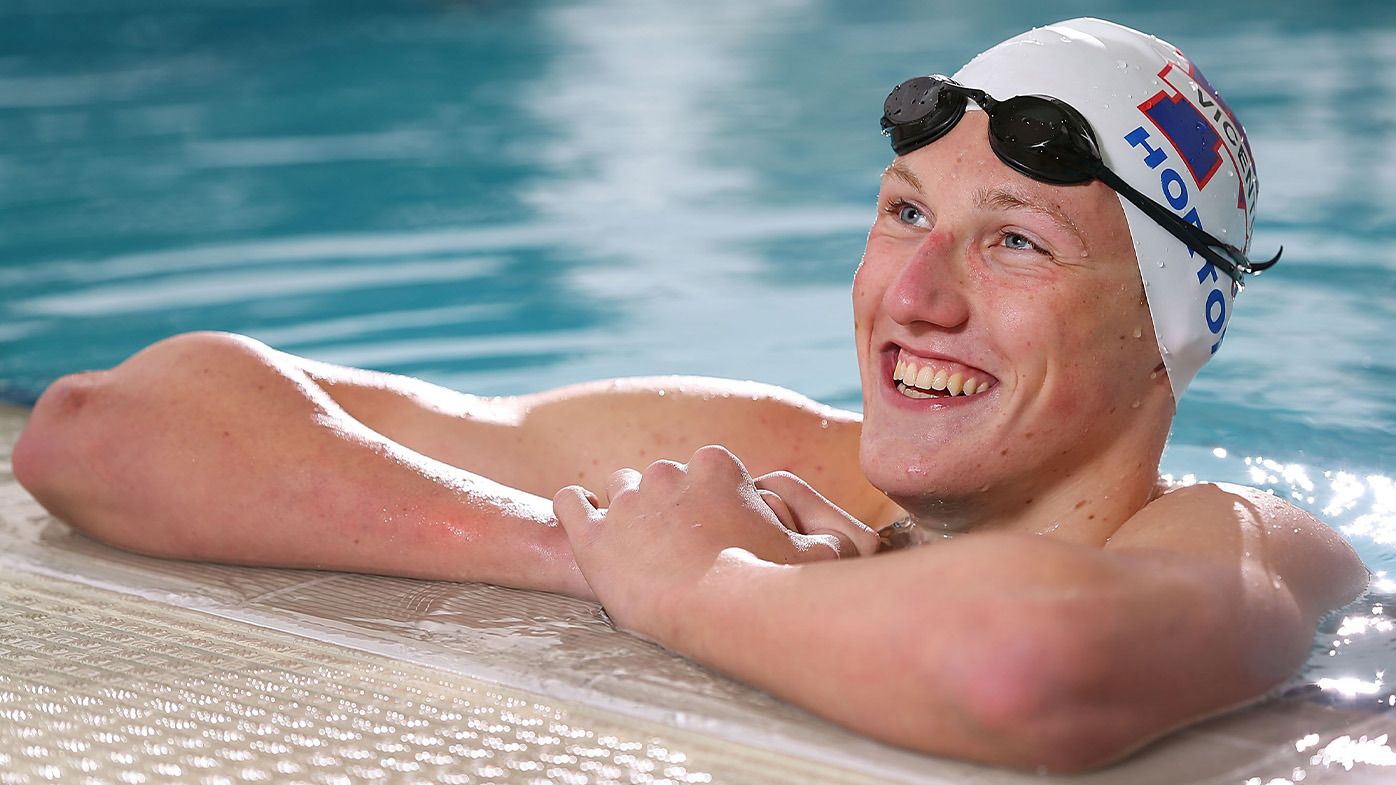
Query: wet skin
[[1034, 286], [1086, 613]]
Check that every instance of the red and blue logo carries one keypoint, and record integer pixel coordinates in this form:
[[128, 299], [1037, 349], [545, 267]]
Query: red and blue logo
[[1204, 134]]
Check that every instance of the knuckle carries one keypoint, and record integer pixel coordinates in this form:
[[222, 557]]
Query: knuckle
[[781, 479], [663, 471], [714, 453], [716, 458]]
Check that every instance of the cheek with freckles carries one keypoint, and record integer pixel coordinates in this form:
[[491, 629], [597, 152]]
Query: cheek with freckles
[[866, 295]]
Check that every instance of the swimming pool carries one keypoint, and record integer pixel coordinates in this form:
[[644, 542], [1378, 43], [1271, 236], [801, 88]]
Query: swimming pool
[[505, 197]]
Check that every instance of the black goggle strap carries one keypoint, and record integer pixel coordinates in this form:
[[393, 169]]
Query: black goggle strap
[[1228, 258]]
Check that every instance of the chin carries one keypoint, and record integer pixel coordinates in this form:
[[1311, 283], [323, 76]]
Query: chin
[[908, 474]]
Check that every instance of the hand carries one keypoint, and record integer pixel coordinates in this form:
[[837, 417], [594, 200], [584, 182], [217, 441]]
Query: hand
[[668, 529], [803, 509]]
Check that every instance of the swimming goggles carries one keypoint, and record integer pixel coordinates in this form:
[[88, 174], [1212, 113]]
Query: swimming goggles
[[1045, 139]]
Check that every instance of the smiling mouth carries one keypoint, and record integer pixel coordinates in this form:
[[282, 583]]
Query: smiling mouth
[[920, 378]]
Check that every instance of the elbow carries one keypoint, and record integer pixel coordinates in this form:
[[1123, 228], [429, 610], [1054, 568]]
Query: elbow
[[1038, 720], [54, 458], [49, 446], [1040, 698]]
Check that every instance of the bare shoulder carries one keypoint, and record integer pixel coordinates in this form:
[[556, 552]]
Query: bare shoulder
[[588, 430], [1239, 526]]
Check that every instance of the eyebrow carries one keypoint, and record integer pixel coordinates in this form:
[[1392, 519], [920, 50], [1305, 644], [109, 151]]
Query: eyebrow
[[1007, 199], [905, 175]]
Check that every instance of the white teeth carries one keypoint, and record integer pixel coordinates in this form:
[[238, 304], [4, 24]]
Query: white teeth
[[932, 381], [924, 376]]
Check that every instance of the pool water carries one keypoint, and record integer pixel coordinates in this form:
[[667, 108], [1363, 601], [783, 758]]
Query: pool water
[[504, 197]]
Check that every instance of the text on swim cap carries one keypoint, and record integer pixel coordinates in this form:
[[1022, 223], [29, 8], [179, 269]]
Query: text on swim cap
[[1175, 191], [1187, 78]]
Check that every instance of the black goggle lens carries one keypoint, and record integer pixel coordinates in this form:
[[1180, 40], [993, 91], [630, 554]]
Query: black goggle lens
[[1041, 138], [920, 111]]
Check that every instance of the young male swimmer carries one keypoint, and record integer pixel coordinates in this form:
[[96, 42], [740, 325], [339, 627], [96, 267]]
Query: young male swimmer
[[1027, 311]]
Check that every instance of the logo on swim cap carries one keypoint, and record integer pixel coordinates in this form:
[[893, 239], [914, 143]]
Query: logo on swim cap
[[1203, 130]]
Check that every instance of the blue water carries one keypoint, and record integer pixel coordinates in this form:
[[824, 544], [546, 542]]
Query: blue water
[[503, 197]]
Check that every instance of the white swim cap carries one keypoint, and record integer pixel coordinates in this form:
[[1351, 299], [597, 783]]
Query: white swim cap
[[1164, 130]]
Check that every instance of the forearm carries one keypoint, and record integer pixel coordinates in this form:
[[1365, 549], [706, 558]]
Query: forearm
[[1008, 650], [459, 429], [209, 448], [859, 642]]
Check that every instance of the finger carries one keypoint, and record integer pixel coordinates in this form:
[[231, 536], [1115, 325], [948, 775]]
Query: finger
[[778, 507], [621, 481], [784, 482], [814, 514], [663, 474], [574, 511], [855, 538], [720, 460], [842, 544], [819, 547]]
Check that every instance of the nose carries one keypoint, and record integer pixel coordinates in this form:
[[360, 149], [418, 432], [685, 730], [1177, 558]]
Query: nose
[[930, 286]]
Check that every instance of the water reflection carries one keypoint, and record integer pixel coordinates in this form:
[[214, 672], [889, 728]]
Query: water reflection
[[648, 177]]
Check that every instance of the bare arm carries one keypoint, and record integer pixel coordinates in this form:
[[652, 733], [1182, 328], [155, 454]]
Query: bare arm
[[581, 433], [215, 447], [1009, 649]]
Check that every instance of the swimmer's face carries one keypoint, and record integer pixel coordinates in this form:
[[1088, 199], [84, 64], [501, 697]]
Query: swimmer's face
[[977, 275]]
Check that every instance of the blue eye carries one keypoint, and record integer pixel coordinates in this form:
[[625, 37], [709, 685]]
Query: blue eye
[[908, 214], [1017, 242]]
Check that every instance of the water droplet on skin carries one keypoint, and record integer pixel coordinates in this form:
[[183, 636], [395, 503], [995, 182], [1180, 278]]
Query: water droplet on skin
[[1138, 332], [824, 424], [1135, 405], [661, 393]]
